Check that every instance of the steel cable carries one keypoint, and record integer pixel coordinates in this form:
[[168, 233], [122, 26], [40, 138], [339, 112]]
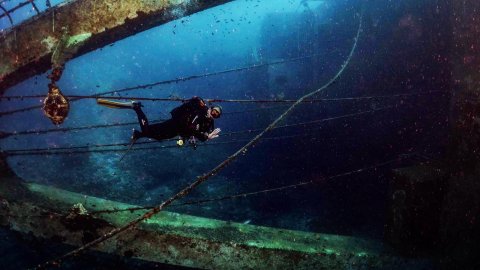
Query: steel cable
[[37, 132], [57, 150], [264, 191], [169, 81]]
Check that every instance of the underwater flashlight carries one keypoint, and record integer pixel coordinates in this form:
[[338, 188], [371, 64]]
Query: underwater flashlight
[[180, 142]]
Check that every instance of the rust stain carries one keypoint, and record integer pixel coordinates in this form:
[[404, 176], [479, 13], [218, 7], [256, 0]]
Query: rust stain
[[27, 48]]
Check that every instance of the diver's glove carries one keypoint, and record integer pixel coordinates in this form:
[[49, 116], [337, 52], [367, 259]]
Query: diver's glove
[[214, 134]]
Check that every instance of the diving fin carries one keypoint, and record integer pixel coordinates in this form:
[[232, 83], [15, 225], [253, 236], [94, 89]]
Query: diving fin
[[114, 104]]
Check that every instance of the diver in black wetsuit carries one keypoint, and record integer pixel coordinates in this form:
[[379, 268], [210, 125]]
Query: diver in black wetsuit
[[193, 119]]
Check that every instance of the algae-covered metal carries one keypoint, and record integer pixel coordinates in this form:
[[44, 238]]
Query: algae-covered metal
[[180, 239]]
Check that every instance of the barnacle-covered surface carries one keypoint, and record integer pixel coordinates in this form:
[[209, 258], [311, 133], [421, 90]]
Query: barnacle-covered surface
[[27, 48], [180, 239]]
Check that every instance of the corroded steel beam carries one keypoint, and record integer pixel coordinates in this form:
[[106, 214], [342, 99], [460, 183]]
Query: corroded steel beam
[[26, 49], [182, 239]]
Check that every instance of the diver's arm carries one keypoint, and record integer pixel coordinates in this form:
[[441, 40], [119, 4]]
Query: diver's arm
[[204, 136], [201, 136], [214, 134]]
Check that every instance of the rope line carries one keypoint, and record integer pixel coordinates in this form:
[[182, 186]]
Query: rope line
[[235, 196], [37, 132], [216, 100], [264, 191], [212, 172], [56, 150], [12, 10], [44, 131], [47, 153], [170, 81], [6, 13]]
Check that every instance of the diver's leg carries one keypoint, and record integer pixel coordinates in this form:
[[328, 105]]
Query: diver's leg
[[159, 131], [142, 118], [162, 131]]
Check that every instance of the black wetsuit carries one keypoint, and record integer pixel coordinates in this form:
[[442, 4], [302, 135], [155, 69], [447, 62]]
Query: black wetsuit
[[189, 119]]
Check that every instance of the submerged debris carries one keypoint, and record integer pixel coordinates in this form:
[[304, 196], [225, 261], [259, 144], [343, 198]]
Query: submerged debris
[[56, 106], [78, 219], [77, 209]]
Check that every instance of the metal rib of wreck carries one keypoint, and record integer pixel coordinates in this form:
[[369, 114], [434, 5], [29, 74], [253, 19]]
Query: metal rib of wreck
[[178, 239], [26, 49]]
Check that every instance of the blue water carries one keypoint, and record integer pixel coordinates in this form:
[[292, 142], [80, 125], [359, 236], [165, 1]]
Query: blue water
[[20, 14], [395, 54]]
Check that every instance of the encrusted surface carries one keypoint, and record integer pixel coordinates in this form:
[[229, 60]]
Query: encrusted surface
[[26, 49], [186, 240]]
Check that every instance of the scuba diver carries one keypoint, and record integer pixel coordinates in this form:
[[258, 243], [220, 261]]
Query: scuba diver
[[191, 121]]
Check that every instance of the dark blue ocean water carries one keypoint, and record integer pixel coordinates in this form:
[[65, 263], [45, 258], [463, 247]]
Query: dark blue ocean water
[[397, 53]]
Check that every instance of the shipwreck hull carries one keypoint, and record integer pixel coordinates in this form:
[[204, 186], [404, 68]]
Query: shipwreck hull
[[178, 239], [27, 48]]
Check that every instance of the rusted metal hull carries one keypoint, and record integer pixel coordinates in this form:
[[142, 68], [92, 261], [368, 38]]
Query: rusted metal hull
[[26, 49], [181, 239]]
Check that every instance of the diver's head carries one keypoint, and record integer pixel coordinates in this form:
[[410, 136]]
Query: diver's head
[[215, 111]]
